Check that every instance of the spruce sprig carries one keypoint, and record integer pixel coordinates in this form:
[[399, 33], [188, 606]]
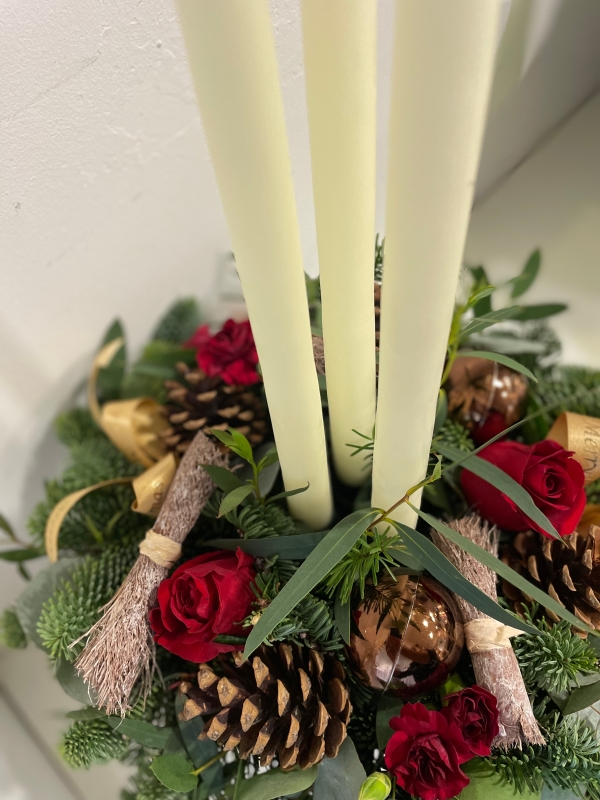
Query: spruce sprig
[[553, 659], [91, 741]]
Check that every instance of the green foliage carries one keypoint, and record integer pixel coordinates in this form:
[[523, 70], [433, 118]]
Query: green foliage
[[453, 434], [592, 491], [75, 426], [570, 760], [367, 558], [179, 322], [11, 633], [146, 786], [74, 607], [553, 659], [379, 253], [91, 741], [254, 520], [566, 389]]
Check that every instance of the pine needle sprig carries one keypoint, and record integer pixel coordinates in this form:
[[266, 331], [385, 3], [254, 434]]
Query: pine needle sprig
[[369, 556], [254, 520], [91, 741], [553, 659]]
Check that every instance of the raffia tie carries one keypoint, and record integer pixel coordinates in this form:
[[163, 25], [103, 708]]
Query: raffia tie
[[482, 635], [160, 549]]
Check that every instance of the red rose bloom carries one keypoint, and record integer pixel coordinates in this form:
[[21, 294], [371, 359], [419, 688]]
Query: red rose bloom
[[205, 597], [545, 470], [230, 354], [425, 753], [475, 711]]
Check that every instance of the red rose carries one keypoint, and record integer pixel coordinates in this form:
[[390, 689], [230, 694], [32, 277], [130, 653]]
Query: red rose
[[475, 711], [230, 354], [545, 470], [425, 753], [205, 597]]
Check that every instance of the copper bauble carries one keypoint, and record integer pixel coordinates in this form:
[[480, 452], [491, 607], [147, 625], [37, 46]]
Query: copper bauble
[[478, 386], [407, 635]]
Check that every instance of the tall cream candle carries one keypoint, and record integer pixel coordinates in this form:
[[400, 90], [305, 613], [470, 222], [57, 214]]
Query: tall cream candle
[[340, 54], [442, 71], [232, 58]]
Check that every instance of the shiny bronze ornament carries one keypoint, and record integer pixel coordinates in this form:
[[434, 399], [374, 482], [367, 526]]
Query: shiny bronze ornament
[[478, 387], [407, 635]]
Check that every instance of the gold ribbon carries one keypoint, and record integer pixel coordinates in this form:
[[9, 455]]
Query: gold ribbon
[[133, 427], [484, 634], [581, 435]]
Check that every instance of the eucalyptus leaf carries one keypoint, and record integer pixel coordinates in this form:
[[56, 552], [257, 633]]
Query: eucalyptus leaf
[[387, 707], [503, 482], [28, 606], [500, 359], [446, 573], [291, 493], [340, 778], [500, 568], [484, 305], [522, 282], [506, 344], [540, 311], [582, 697], [22, 554], [7, 528], [84, 714], [223, 478], [142, 732], [341, 613], [441, 413], [478, 324], [296, 547], [72, 683], [318, 564], [275, 783], [234, 499], [175, 771]]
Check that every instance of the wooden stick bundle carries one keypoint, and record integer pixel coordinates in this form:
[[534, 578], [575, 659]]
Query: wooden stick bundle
[[496, 668], [120, 647]]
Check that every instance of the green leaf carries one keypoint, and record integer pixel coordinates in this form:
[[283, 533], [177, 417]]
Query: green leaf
[[295, 548], [233, 499], [387, 708], [223, 436], [539, 312], [166, 354], [110, 378], [408, 559], [340, 778], [242, 446], [483, 306], [446, 573], [506, 344], [291, 493], [271, 458], [275, 783], [7, 528], [481, 294], [441, 413], [319, 563], [500, 568], [267, 463], [582, 697], [481, 323], [223, 478], [174, 771], [84, 714], [23, 554], [72, 684], [503, 482], [142, 732], [501, 359], [342, 617], [28, 606], [523, 281]]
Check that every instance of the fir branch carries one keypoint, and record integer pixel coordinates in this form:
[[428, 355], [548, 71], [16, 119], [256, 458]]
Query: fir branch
[[254, 520], [91, 741], [75, 605], [367, 558], [552, 660], [453, 434], [11, 633], [179, 323], [566, 389], [76, 426]]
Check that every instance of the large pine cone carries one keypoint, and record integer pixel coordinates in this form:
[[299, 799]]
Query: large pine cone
[[290, 702], [198, 402], [568, 570]]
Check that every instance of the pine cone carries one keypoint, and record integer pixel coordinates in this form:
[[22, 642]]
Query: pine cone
[[290, 702], [199, 402], [569, 571]]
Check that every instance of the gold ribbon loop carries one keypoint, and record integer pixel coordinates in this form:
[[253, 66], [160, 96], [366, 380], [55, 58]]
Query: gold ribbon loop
[[581, 435], [484, 634], [152, 485]]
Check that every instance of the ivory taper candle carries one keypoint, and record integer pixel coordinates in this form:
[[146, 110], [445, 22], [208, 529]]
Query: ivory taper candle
[[340, 55], [441, 76], [231, 53]]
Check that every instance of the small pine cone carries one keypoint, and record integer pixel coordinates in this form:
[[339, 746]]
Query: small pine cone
[[569, 571], [289, 702], [198, 402]]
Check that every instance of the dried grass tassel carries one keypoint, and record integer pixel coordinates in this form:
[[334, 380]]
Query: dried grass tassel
[[497, 669], [120, 647]]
